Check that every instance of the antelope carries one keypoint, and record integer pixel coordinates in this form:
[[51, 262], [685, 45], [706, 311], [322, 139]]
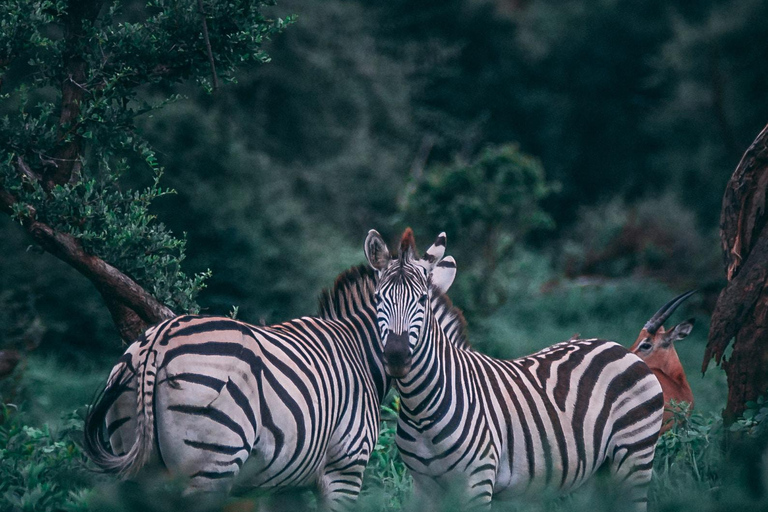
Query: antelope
[[655, 346]]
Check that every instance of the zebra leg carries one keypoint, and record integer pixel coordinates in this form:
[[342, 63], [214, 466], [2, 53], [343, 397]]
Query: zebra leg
[[290, 500], [474, 493], [340, 486], [632, 468], [427, 493], [480, 490]]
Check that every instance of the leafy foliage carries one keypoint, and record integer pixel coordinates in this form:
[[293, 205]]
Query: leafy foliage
[[488, 204], [653, 237], [639, 109], [387, 484], [41, 470], [161, 48]]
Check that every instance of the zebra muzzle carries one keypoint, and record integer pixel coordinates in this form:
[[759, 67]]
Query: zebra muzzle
[[397, 355]]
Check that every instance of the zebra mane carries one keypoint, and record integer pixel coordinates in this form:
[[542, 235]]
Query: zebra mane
[[407, 247], [451, 319], [354, 289]]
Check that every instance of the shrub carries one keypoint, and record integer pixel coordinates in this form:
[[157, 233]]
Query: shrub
[[387, 483], [656, 236], [41, 469], [486, 205]]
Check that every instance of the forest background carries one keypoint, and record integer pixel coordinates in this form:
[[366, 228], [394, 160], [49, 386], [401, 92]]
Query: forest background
[[576, 152]]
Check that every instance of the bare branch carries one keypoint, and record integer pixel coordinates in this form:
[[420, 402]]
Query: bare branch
[[208, 46], [26, 171]]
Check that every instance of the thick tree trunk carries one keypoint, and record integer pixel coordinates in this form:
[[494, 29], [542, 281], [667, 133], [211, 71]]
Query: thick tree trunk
[[741, 313], [68, 157]]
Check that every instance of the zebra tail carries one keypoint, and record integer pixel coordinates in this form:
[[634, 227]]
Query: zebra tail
[[96, 446]]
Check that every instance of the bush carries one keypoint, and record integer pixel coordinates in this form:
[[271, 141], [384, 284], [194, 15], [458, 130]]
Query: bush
[[41, 469], [486, 206], [387, 484], [656, 236]]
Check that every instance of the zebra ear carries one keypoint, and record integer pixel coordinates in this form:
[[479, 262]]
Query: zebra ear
[[443, 274], [435, 252], [376, 250]]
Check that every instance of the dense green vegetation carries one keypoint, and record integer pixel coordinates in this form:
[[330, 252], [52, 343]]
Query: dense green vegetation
[[575, 151], [693, 470]]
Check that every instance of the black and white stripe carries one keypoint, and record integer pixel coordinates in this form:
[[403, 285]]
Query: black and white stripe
[[483, 427], [294, 404]]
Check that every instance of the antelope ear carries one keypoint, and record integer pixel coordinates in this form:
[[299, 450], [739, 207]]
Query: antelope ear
[[680, 331], [443, 274], [435, 252], [376, 251]]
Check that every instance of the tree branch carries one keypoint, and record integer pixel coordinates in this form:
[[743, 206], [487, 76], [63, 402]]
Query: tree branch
[[133, 309], [208, 46]]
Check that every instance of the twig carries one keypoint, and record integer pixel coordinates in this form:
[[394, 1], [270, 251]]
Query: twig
[[26, 171], [208, 46]]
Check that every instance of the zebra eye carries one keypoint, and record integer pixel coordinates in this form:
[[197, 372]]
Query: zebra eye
[[423, 299], [377, 297]]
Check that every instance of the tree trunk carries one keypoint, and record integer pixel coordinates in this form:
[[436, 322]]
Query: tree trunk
[[741, 313], [67, 160]]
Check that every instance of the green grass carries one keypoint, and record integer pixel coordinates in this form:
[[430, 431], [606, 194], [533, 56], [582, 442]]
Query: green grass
[[49, 389]]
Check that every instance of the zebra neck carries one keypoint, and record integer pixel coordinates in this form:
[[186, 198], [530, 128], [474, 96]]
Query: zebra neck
[[422, 391], [350, 302]]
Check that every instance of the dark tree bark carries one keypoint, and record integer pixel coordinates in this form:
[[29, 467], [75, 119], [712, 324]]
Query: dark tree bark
[[741, 312], [67, 160]]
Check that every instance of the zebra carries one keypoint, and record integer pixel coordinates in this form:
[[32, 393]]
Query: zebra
[[481, 427], [299, 401]]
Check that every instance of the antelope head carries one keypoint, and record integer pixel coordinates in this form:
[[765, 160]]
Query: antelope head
[[656, 346]]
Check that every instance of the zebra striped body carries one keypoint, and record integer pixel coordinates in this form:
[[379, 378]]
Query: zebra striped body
[[484, 427], [283, 406], [289, 405]]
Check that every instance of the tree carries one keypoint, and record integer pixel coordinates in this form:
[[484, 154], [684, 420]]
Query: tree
[[74, 71], [741, 313], [486, 205]]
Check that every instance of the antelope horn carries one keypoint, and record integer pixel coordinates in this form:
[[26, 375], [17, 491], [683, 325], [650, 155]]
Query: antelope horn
[[665, 312]]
